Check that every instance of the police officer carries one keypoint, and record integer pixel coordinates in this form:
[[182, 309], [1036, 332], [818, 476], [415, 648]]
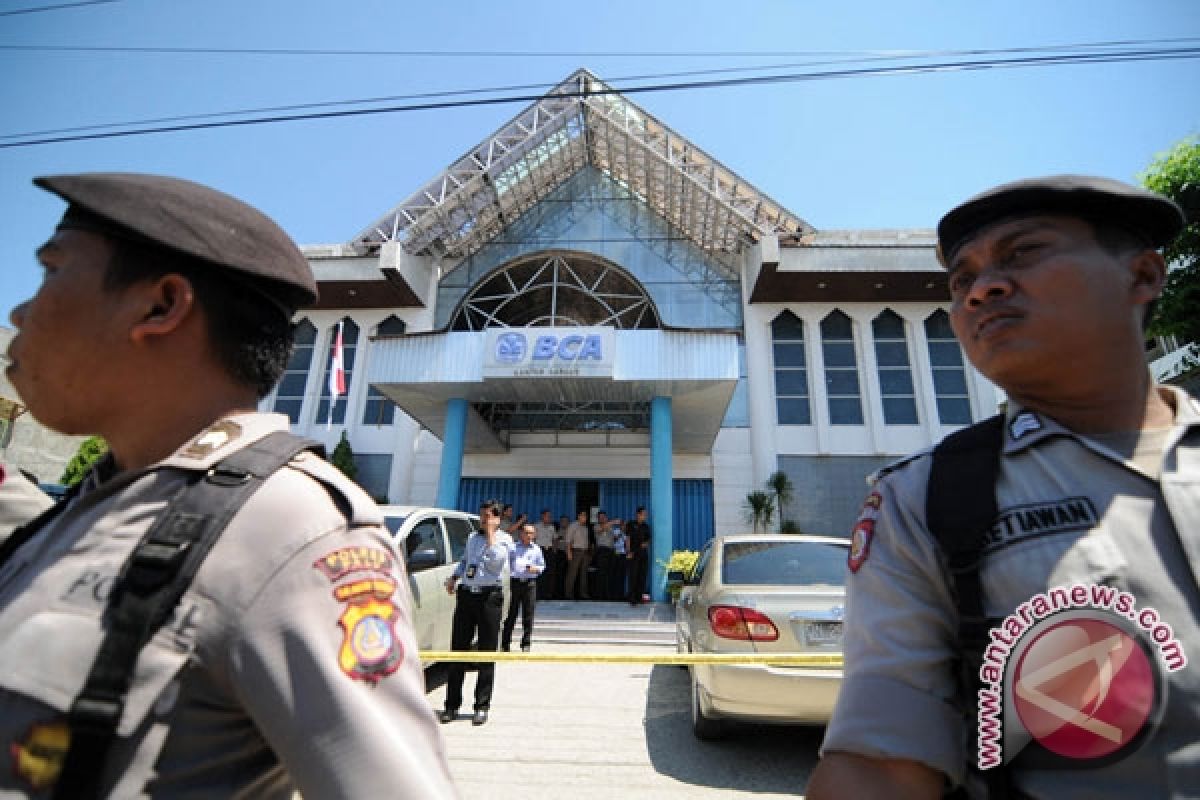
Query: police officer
[[478, 603], [638, 534], [526, 563], [1086, 571], [163, 317], [20, 500]]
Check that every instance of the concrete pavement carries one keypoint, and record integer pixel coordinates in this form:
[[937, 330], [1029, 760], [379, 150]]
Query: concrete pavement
[[583, 731]]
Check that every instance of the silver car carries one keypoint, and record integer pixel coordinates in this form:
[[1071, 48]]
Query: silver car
[[763, 593], [431, 540]]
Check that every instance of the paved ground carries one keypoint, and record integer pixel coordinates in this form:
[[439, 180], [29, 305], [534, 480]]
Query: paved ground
[[583, 731]]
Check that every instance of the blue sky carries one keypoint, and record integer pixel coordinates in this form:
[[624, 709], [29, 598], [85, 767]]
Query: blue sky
[[874, 152]]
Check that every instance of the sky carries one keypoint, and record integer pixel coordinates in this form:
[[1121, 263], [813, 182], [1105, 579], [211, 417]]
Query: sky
[[880, 151]]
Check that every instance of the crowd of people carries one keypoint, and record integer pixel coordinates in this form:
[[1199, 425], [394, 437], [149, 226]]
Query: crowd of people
[[604, 559]]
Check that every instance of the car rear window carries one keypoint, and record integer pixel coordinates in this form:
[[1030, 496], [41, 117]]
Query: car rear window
[[783, 564]]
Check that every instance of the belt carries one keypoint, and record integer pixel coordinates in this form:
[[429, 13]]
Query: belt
[[480, 589]]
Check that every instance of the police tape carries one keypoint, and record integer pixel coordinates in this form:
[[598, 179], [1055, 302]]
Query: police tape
[[814, 660]]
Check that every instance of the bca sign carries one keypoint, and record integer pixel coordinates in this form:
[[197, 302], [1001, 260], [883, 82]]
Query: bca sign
[[548, 352]]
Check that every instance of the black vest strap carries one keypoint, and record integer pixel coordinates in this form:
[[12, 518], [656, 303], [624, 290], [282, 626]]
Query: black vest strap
[[148, 589], [960, 507], [24, 533]]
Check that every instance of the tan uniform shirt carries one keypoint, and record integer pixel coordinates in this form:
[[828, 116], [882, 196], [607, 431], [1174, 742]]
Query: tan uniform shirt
[[289, 664], [1071, 513], [546, 534], [577, 537], [20, 500]]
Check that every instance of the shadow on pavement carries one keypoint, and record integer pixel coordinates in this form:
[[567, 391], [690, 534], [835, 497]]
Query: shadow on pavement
[[752, 758]]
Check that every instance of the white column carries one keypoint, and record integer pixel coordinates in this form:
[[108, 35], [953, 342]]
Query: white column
[[760, 393], [870, 392], [816, 381], [923, 377]]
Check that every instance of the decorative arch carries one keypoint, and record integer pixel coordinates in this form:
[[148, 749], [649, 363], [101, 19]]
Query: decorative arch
[[556, 288]]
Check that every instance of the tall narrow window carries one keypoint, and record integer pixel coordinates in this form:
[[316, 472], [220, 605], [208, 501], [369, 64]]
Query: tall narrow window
[[378, 410], [791, 370], [290, 395], [949, 377], [349, 346], [895, 374], [841, 370]]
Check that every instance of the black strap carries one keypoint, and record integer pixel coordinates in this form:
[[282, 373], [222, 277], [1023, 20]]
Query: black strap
[[148, 589], [960, 508]]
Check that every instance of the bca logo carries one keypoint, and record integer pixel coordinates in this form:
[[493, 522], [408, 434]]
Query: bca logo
[[511, 348]]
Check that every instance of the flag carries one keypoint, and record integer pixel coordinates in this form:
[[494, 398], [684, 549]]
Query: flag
[[337, 375]]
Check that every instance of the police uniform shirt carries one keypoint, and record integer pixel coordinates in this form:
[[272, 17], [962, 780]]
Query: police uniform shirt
[[577, 536], [290, 663], [604, 535], [20, 500], [523, 557], [1071, 512], [482, 564], [546, 533]]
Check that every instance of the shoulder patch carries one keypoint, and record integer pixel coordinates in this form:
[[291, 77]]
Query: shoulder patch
[[38, 758], [340, 563], [864, 531], [212, 439], [370, 649]]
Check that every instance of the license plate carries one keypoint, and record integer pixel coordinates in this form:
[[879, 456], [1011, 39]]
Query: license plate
[[823, 632]]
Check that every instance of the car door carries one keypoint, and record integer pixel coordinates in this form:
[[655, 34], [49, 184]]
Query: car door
[[427, 559], [689, 608]]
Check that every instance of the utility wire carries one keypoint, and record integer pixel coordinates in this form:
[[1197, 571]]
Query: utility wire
[[545, 86], [54, 8], [964, 66], [292, 51]]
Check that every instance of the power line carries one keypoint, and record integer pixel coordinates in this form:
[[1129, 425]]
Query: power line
[[953, 66], [294, 51], [54, 8], [545, 86]]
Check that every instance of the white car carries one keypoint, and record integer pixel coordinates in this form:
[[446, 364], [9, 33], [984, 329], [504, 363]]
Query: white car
[[432, 541], [763, 593]]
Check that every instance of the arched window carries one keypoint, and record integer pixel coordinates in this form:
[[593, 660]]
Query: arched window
[[791, 371], [378, 410], [349, 348], [841, 370], [895, 374], [949, 376], [290, 395], [556, 289]]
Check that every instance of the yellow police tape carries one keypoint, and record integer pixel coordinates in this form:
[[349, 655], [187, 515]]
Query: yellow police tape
[[816, 660]]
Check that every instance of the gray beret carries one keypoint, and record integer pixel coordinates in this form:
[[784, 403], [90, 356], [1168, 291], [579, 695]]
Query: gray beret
[[1099, 200], [194, 220]]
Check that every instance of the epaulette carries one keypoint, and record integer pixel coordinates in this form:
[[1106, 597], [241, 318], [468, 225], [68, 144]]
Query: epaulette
[[896, 465], [358, 506]]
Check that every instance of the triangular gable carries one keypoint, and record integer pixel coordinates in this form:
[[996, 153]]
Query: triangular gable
[[580, 122]]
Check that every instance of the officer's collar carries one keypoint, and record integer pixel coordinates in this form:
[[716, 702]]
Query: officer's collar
[[1024, 428]]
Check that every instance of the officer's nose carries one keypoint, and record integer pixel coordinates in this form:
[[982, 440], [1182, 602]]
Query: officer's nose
[[17, 315], [988, 286]]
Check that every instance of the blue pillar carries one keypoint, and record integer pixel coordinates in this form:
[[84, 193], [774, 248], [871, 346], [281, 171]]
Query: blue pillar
[[661, 495], [452, 453]]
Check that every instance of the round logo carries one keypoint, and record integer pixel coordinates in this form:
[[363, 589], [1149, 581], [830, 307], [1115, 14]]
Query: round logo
[[372, 641], [1084, 688], [511, 348]]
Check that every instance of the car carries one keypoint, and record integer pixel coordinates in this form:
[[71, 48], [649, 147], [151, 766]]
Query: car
[[432, 541], [763, 593]]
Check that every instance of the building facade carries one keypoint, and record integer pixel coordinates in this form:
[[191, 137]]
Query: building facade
[[587, 311]]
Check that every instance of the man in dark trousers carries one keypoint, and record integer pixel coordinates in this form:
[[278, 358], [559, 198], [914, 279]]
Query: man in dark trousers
[[525, 563], [638, 534]]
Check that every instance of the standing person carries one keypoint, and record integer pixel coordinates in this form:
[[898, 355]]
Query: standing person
[[20, 500], [546, 539], [1053, 551], [526, 563], [616, 584], [602, 558], [578, 558], [514, 526], [638, 533], [560, 558], [478, 603], [287, 660]]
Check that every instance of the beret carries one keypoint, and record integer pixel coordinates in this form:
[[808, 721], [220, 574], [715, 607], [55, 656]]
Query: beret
[[1152, 216], [197, 221]]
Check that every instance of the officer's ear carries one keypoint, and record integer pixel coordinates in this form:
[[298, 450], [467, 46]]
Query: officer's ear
[[1148, 270], [164, 304]]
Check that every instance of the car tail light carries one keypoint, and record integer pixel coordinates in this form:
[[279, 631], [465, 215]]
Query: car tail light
[[735, 622]]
